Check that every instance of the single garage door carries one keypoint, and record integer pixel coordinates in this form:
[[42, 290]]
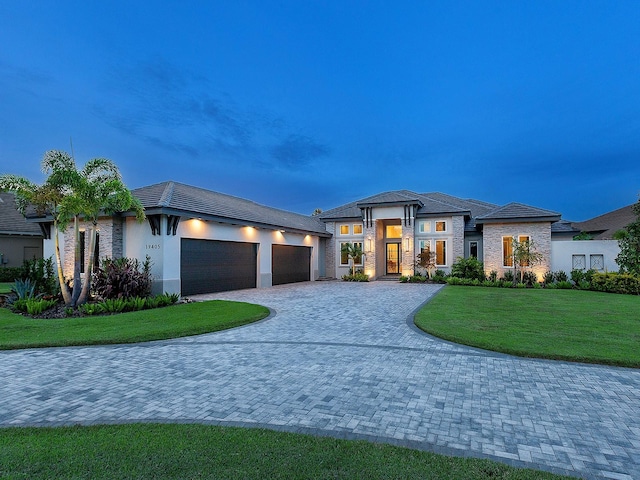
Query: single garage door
[[290, 264], [208, 266]]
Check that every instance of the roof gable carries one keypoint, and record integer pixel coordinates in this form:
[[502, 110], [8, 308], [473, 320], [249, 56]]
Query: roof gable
[[605, 225]]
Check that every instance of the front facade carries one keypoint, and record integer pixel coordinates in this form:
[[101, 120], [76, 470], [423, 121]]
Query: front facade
[[394, 227], [200, 241]]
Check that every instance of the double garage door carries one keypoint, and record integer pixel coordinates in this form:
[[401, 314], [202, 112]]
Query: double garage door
[[208, 266]]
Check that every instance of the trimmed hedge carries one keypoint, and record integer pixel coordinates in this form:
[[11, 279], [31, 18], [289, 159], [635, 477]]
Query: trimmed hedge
[[616, 283], [10, 274]]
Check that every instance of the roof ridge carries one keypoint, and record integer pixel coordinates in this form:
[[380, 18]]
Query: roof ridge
[[167, 194]]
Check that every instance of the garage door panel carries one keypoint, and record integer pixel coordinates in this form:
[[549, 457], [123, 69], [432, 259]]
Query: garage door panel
[[290, 264], [208, 266]]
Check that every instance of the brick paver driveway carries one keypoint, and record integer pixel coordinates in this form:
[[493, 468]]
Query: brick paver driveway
[[341, 359]]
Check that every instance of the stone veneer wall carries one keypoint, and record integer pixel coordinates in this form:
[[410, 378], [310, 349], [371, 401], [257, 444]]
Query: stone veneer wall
[[540, 234], [370, 257], [110, 243], [457, 229], [408, 256], [330, 252]]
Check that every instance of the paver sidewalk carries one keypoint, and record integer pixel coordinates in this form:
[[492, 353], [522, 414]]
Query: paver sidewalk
[[341, 359]]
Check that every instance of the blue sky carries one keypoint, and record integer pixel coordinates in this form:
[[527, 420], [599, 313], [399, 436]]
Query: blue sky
[[305, 104]]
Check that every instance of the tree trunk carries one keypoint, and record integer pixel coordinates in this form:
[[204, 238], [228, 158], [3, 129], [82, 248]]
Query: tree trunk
[[66, 295], [77, 281], [84, 294]]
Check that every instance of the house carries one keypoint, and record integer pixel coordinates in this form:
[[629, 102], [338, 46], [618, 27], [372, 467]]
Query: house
[[393, 227], [20, 240], [201, 241]]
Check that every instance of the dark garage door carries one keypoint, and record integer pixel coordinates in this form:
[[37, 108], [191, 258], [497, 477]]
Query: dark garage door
[[290, 264], [208, 266]]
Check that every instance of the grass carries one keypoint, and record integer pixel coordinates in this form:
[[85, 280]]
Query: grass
[[17, 331], [573, 325], [5, 287], [200, 451]]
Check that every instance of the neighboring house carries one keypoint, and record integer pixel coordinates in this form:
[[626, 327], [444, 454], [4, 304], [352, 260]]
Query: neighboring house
[[201, 241], [600, 252], [20, 240], [604, 226], [393, 227]]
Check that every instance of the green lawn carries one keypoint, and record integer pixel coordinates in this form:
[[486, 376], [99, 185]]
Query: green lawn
[[17, 331], [200, 451], [572, 325], [5, 287]]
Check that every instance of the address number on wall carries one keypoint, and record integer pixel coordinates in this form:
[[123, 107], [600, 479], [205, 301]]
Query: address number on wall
[[153, 246]]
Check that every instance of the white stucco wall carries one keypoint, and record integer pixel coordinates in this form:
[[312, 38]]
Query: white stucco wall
[[164, 250], [562, 253]]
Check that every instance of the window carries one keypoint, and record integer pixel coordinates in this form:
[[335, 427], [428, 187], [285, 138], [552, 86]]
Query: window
[[424, 245], [441, 252], [473, 249], [424, 227], [597, 262], [357, 229], [394, 231], [344, 256], [507, 251], [578, 262], [344, 229], [441, 226], [358, 259]]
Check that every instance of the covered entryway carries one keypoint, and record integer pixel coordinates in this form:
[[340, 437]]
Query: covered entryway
[[208, 266], [290, 264]]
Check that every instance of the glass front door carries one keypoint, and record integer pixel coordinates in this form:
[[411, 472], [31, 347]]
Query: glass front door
[[393, 258]]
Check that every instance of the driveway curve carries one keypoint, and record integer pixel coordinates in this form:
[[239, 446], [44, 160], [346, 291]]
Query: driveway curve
[[343, 359]]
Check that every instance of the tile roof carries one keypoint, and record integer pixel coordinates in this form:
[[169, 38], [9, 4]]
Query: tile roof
[[12, 222], [604, 226], [518, 211], [429, 204], [185, 200]]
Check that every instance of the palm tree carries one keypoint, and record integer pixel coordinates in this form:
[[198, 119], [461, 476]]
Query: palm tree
[[353, 251], [69, 195], [47, 199]]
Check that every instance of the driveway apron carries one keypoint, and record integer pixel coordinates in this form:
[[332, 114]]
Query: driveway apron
[[343, 359]]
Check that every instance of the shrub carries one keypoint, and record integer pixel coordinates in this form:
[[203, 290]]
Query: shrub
[[10, 274], [41, 272], [508, 276], [356, 277], [135, 304], [529, 279], [493, 276], [122, 278], [560, 276], [616, 283], [19, 305], [548, 278], [90, 309], [439, 276], [36, 307], [418, 279], [403, 279], [564, 284], [468, 268], [113, 305]]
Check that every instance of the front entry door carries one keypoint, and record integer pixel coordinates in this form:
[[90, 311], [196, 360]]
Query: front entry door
[[393, 258]]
